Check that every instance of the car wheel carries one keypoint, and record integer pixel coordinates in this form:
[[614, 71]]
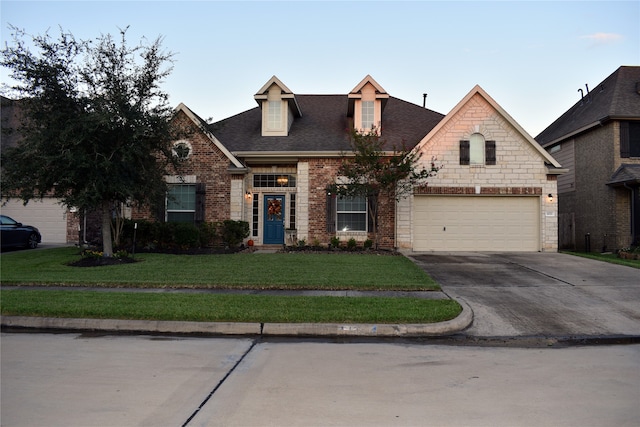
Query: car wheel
[[32, 242]]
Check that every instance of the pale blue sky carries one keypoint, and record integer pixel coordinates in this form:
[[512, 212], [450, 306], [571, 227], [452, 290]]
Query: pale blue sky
[[531, 57]]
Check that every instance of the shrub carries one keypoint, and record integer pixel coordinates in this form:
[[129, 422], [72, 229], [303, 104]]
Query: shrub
[[351, 244], [186, 235], [151, 235], [234, 232], [209, 234], [335, 242], [368, 244]]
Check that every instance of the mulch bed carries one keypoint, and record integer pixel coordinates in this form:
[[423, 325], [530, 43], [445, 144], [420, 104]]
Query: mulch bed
[[98, 262]]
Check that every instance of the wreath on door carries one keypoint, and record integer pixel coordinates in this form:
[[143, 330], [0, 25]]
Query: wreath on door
[[274, 209]]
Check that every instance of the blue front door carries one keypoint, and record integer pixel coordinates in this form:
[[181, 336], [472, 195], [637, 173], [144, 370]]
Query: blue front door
[[273, 220]]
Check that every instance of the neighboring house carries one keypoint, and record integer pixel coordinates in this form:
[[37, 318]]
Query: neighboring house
[[271, 166], [48, 215], [598, 140]]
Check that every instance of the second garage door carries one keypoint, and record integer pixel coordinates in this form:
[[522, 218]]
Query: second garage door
[[47, 215], [476, 223]]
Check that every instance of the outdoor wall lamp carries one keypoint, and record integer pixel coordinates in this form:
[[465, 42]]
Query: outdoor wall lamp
[[247, 195], [550, 197]]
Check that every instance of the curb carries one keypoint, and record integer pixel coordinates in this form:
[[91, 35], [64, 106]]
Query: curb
[[460, 323]]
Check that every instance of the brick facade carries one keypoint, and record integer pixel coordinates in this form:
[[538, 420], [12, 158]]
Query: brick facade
[[600, 212], [205, 165]]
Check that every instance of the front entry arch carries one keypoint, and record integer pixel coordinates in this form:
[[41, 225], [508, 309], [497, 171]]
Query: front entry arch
[[273, 220]]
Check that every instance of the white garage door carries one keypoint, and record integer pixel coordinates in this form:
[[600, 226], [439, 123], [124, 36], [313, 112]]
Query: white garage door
[[476, 223], [47, 215]]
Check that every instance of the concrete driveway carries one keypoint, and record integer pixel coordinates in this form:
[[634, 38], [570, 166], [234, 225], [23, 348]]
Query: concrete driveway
[[539, 294]]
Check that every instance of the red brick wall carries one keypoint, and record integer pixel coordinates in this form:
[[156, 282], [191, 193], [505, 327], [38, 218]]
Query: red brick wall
[[209, 165], [322, 172]]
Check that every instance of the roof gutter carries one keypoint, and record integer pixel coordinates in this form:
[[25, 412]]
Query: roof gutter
[[576, 132], [556, 171]]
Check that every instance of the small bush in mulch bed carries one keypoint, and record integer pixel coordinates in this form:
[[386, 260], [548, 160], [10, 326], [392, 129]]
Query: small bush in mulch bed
[[632, 252]]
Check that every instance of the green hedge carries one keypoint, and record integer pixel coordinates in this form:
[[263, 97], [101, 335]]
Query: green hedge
[[151, 235]]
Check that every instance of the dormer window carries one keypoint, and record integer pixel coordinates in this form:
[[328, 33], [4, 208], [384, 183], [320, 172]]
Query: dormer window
[[274, 115], [366, 103], [279, 108], [368, 115]]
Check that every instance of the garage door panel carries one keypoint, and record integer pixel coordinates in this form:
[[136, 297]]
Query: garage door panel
[[476, 223]]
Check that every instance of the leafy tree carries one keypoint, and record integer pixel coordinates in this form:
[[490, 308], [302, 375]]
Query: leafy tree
[[95, 130], [374, 169]]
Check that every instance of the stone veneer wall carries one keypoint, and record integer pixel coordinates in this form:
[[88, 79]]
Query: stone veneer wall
[[519, 168]]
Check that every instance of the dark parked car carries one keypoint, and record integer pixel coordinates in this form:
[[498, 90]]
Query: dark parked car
[[14, 234]]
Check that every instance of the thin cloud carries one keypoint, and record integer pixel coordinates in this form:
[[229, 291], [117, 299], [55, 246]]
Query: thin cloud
[[603, 38]]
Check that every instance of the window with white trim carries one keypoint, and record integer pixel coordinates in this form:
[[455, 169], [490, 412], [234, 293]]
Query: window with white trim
[[274, 115], [181, 203], [351, 213], [368, 115]]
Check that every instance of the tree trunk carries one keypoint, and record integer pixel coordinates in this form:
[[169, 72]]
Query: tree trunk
[[107, 244]]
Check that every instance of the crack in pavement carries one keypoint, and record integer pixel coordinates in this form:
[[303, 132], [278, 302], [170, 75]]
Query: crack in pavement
[[210, 395]]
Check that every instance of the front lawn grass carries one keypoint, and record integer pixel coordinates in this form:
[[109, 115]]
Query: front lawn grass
[[237, 271], [224, 307], [607, 257], [287, 271]]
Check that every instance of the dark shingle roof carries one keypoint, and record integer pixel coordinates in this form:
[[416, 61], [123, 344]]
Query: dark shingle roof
[[626, 174], [617, 97], [323, 126]]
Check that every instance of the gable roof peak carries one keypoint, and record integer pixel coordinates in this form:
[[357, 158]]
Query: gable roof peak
[[380, 92], [285, 94], [477, 90], [274, 80]]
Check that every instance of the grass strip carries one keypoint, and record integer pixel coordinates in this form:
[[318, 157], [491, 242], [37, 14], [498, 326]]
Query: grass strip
[[610, 258], [224, 307], [239, 271]]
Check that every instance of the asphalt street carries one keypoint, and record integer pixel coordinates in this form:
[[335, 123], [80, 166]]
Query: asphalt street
[[67, 380]]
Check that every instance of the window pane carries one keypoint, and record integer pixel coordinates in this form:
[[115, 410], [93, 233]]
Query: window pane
[[180, 216], [476, 149], [275, 117], [271, 180], [352, 213], [182, 198], [352, 221], [367, 115]]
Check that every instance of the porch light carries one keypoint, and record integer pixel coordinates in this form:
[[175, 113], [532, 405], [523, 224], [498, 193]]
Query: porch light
[[282, 180], [550, 197], [247, 195]]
